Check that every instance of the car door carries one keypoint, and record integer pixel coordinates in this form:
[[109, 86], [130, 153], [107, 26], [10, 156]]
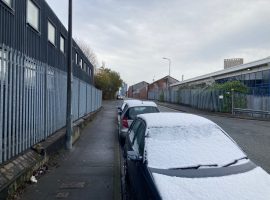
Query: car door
[[136, 168]]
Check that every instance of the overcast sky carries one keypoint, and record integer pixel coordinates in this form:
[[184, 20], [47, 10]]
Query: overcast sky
[[132, 36]]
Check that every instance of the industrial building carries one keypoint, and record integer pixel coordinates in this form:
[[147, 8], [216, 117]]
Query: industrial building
[[32, 28], [255, 75], [33, 76]]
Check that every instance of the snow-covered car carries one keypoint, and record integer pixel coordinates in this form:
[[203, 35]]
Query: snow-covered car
[[131, 109], [174, 156]]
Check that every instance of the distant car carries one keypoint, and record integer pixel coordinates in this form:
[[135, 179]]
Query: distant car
[[184, 156], [130, 111], [119, 97]]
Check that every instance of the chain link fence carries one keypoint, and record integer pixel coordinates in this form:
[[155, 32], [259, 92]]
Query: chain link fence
[[33, 101]]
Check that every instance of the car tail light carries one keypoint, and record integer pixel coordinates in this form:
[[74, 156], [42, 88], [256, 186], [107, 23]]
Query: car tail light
[[125, 122]]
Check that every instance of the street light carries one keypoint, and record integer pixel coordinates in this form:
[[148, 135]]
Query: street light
[[169, 64]]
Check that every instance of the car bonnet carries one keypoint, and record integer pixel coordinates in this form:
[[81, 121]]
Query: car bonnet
[[251, 184]]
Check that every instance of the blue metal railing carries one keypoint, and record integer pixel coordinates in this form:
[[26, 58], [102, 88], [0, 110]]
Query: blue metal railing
[[33, 101]]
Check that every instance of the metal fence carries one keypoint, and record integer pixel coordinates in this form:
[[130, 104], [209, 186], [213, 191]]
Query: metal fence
[[212, 100], [33, 101]]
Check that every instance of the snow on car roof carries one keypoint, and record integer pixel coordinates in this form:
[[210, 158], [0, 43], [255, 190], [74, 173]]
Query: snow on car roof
[[141, 103], [253, 184], [176, 140], [128, 100], [164, 119]]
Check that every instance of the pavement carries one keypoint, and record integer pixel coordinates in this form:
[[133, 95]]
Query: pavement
[[90, 170]]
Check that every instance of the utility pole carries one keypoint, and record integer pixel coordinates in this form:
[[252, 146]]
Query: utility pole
[[69, 120]]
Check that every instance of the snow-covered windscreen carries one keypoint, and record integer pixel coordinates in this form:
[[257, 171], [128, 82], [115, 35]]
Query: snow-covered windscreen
[[185, 146]]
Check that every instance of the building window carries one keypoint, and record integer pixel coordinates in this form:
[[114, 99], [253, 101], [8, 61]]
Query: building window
[[81, 63], [51, 33], [90, 72], [76, 58], [266, 77], [62, 43], [33, 15], [8, 2]]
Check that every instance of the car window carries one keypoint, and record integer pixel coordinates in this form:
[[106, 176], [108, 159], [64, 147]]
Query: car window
[[133, 129], [123, 106], [125, 110], [134, 111], [138, 141]]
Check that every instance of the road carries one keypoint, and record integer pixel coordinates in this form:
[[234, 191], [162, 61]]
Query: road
[[92, 169], [252, 136]]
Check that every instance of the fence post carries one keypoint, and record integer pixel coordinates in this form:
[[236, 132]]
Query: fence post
[[232, 93]]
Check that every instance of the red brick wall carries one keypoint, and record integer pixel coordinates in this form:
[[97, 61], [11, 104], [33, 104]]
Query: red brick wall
[[141, 94], [158, 85]]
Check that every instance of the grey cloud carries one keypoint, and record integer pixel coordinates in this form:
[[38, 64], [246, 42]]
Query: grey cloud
[[133, 36]]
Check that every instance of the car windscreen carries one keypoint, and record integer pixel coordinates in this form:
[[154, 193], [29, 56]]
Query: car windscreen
[[134, 111], [180, 147]]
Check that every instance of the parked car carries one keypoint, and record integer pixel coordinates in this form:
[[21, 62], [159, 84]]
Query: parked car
[[187, 157], [131, 109], [122, 106]]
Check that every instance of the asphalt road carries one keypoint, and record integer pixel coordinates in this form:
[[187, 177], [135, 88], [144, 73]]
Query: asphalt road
[[92, 169], [253, 136]]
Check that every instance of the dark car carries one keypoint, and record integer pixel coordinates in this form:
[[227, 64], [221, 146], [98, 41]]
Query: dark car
[[174, 156], [119, 97]]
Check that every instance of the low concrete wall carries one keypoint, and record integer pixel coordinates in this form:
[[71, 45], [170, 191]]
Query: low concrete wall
[[18, 171]]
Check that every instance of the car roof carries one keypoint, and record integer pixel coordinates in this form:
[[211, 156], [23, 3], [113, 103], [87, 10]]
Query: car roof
[[141, 103], [167, 119], [131, 100]]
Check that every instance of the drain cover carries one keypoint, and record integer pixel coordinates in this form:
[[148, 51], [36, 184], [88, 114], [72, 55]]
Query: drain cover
[[72, 185]]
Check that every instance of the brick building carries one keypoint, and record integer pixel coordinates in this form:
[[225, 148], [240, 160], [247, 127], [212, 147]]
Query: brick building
[[161, 84], [138, 90]]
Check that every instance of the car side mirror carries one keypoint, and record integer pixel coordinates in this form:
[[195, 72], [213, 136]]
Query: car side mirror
[[134, 156]]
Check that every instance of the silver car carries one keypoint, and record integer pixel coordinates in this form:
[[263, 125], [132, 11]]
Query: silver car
[[131, 109]]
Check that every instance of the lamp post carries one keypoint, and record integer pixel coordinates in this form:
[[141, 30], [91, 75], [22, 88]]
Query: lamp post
[[168, 77], [69, 120], [169, 64]]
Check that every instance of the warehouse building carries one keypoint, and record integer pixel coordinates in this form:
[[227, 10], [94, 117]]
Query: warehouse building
[[255, 75]]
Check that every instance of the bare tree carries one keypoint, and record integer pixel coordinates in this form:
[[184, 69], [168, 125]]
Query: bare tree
[[88, 51]]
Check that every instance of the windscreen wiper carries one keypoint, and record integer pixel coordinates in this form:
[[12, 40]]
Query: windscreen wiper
[[195, 166], [235, 161]]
